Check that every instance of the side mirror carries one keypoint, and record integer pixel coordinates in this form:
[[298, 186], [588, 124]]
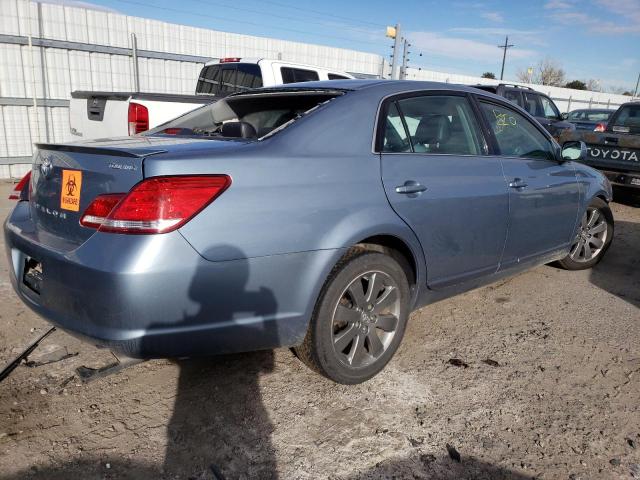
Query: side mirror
[[564, 116], [574, 150]]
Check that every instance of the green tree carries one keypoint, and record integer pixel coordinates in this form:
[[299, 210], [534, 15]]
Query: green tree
[[576, 85], [489, 75]]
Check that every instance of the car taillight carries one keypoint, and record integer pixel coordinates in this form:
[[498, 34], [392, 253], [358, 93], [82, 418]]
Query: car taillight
[[98, 211], [20, 192], [600, 127], [155, 205], [138, 118], [230, 59]]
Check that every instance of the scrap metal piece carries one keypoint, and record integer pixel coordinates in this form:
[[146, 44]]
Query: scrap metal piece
[[13, 364], [88, 374]]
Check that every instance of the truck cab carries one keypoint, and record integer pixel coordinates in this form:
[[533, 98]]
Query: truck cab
[[232, 75]]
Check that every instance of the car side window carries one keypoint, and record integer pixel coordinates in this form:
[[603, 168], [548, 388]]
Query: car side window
[[576, 115], [335, 76], [532, 104], [294, 75], [395, 135], [443, 124], [512, 96], [515, 134], [549, 109]]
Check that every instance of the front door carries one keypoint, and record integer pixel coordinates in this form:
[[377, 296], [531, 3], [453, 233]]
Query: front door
[[544, 195], [439, 179]]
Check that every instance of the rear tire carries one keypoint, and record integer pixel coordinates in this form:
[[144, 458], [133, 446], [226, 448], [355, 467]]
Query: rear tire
[[593, 238], [359, 319]]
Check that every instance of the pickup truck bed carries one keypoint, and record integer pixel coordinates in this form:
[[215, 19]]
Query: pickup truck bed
[[109, 114]]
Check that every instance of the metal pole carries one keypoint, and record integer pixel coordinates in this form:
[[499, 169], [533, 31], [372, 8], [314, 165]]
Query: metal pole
[[33, 90], [396, 47], [134, 53], [504, 54], [635, 90], [569, 105]]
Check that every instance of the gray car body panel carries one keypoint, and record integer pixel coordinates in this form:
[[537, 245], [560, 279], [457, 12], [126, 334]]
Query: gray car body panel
[[246, 272]]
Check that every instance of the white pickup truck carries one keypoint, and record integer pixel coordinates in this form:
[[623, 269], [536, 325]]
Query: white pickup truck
[[114, 114]]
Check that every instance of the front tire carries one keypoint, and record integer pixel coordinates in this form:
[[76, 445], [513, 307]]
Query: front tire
[[593, 238], [359, 319]]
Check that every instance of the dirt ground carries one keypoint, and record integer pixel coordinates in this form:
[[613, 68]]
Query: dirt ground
[[548, 387]]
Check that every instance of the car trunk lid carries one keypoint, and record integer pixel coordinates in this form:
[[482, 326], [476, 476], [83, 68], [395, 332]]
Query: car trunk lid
[[67, 178]]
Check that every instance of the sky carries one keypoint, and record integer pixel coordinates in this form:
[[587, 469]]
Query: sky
[[589, 39]]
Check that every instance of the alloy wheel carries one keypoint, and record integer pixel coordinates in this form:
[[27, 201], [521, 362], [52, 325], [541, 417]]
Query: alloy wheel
[[591, 237], [365, 319]]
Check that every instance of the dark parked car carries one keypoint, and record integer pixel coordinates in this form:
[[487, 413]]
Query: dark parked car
[[535, 103], [592, 120], [315, 216], [616, 150]]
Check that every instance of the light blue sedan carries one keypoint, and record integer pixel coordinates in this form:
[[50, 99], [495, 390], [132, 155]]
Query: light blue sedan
[[315, 216]]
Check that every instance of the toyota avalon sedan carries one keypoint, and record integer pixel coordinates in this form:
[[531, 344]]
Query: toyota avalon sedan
[[315, 216]]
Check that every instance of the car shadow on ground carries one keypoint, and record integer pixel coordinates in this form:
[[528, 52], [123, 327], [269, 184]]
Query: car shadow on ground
[[619, 270], [428, 467], [219, 427]]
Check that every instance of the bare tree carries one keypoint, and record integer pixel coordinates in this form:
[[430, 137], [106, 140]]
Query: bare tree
[[546, 72], [593, 85]]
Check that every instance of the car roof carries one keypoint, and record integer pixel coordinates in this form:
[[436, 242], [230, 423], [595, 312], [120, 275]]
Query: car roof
[[388, 87], [592, 110]]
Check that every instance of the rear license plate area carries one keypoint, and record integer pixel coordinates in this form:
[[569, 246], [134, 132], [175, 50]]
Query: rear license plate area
[[32, 274]]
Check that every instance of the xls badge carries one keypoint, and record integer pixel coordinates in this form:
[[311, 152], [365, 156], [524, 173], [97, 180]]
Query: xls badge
[[71, 187]]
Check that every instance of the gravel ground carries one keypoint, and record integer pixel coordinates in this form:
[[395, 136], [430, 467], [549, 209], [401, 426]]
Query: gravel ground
[[547, 385]]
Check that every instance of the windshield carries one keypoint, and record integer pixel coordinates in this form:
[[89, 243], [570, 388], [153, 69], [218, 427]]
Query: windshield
[[252, 115]]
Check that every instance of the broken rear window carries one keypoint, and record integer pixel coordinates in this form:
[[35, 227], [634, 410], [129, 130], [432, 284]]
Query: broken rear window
[[253, 115]]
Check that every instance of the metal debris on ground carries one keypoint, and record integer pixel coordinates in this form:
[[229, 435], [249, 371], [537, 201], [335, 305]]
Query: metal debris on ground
[[453, 453], [13, 364], [456, 362]]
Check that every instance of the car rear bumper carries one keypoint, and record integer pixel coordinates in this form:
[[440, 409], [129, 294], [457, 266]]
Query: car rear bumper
[[155, 296]]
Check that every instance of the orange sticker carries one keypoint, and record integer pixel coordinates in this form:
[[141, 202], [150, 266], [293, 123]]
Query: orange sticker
[[71, 186]]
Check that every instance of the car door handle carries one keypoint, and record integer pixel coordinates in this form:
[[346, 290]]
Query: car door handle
[[518, 183], [410, 187]]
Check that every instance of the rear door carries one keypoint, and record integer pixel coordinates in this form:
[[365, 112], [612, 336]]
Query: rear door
[[441, 182], [543, 193]]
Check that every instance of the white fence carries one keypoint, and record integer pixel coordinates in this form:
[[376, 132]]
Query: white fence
[[49, 50]]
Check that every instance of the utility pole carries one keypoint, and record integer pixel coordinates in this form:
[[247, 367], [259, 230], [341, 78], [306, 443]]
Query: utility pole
[[405, 59], [504, 54], [394, 32]]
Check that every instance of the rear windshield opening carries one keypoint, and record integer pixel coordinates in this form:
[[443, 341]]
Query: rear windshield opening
[[247, 116], [627, 119]]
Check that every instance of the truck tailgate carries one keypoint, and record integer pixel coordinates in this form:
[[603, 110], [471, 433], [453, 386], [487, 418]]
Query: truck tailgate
[[96, 115]]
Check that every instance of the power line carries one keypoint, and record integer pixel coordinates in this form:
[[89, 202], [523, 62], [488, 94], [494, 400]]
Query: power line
[[244, 22], [318, 12], [275, 15]]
